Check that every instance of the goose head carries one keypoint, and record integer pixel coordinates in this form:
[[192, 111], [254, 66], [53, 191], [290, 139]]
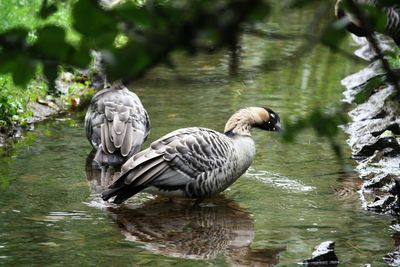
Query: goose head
[[270, 121], [245, 119]]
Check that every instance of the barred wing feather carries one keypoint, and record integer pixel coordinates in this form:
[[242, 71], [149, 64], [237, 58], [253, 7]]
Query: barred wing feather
[[185, 160], [116, 124]]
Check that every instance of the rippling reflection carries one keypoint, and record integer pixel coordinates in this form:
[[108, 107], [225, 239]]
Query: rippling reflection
[[99, 177], [184, 229]]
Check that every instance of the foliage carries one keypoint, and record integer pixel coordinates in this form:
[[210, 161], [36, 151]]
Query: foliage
[[394, 60], [139, 35], [14, 100], [152, 30], [14, 97], [325, 125]]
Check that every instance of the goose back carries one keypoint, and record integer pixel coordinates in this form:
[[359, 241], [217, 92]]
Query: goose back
[[191, 162], [116, 124]]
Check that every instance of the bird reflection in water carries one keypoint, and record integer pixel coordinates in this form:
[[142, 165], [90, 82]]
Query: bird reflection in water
[[184, 229], [99, 177]]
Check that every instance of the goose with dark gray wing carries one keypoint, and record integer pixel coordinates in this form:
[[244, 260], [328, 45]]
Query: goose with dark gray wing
[[116, 124], [194, 162]]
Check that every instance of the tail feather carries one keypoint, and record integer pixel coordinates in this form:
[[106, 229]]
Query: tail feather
[[127, 192], [121, 193], [134, 181], [121, 190], [106, 195]]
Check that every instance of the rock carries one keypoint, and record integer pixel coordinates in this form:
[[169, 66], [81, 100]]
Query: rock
[[41, 111], [382, 204], [324, 254], [374, 135], [371, 144], [374, 106], [392, 258], [380, 181], [367, 136], [395, 227], [359, 82], [64, 82], [366, 52], [365, 141]]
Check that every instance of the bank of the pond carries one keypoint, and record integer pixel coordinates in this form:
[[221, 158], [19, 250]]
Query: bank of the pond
[[73, 91], [374, 136]]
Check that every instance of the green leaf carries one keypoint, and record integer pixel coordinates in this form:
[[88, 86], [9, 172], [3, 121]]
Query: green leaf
[[260, 12], [376, 17], [368, 88], [91, 20], [388, 3], [14, 38], [333, 35], [51, 43], [104, 41], [50, 71], [131, 60], [325, 125], [47, 10], [7, 62], [80, 58], [303, 3], [131, 12], [24, 70]]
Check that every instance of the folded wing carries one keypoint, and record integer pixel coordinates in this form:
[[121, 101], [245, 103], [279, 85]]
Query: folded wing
[[116, 124], [183, 160]]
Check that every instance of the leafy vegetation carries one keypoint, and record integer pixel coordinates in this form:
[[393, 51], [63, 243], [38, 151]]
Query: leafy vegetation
[[41, 36], [14, 100], [14, 95], [394, 60]]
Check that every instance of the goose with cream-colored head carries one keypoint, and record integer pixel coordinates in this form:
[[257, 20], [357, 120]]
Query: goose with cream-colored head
[[116, 124], [194, 162]]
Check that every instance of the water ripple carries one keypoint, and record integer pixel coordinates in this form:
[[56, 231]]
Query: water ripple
[[278, 180], [55, 216]]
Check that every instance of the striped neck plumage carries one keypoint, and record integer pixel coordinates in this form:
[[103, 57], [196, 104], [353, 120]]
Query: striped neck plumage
[[244, 120]]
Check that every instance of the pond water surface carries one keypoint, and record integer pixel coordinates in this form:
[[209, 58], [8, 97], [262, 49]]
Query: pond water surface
[[294, 197]]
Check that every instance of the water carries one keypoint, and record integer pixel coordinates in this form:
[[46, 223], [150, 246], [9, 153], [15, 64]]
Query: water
[[294, 196]]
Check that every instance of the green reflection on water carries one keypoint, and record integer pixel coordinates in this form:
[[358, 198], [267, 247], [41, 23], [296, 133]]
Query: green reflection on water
[[286, 202]]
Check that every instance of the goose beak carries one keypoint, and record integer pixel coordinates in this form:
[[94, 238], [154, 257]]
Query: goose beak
[[278, 127]]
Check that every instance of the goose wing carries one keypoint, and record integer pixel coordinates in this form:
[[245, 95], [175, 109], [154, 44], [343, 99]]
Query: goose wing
[[125, 123], [94, 118], [117, 120], [182, 160]]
